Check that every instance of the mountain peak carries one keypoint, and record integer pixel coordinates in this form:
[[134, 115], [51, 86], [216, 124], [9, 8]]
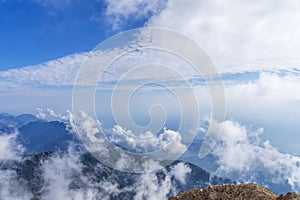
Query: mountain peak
[[231, 191]]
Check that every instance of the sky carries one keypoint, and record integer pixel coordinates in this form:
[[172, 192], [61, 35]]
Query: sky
[[36, 31], [254, 45]]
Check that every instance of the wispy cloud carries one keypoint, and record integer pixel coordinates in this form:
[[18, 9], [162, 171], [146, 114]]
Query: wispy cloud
[[120, 11]]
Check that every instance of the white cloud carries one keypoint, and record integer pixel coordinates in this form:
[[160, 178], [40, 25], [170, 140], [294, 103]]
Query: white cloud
[[234, 32], [271, 92], [166, 145], [40, 113], [11, 188], [59, 72], [274, 95], [235, 152], [63, 71], [61, 171], [148, 185], [271, 101], [180, 172], [238, 33], [240, 36], [120, 10], [148, 141], [152, 189], [64, 178], [9, 148], [242, 156], [56, 182]]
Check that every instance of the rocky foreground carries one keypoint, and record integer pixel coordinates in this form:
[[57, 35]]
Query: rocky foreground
[[236, 192]]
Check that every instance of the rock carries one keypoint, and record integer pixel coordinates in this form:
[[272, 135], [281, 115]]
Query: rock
[[289, 195], [236, 192]]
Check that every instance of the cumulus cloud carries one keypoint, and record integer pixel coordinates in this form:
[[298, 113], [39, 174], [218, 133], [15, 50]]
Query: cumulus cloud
[[235, 150], [241, 155], [272, 100], [130, 150], [180, 172], [148, 141], [153, 188], [237, 34]]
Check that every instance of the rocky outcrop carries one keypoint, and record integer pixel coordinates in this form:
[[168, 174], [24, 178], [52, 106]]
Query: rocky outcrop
[[236, 192]]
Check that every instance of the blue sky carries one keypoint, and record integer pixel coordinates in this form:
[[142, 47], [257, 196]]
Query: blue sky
[[35, 31]]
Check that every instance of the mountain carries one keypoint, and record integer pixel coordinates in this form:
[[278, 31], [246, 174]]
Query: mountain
[[17, 121], [43, 139], [24, 119], [37, 135], [238, 192], [43, 136], [30, 172]]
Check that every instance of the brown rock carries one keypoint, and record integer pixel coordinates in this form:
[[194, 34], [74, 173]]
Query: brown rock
[[234, 192], [288, 196]]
